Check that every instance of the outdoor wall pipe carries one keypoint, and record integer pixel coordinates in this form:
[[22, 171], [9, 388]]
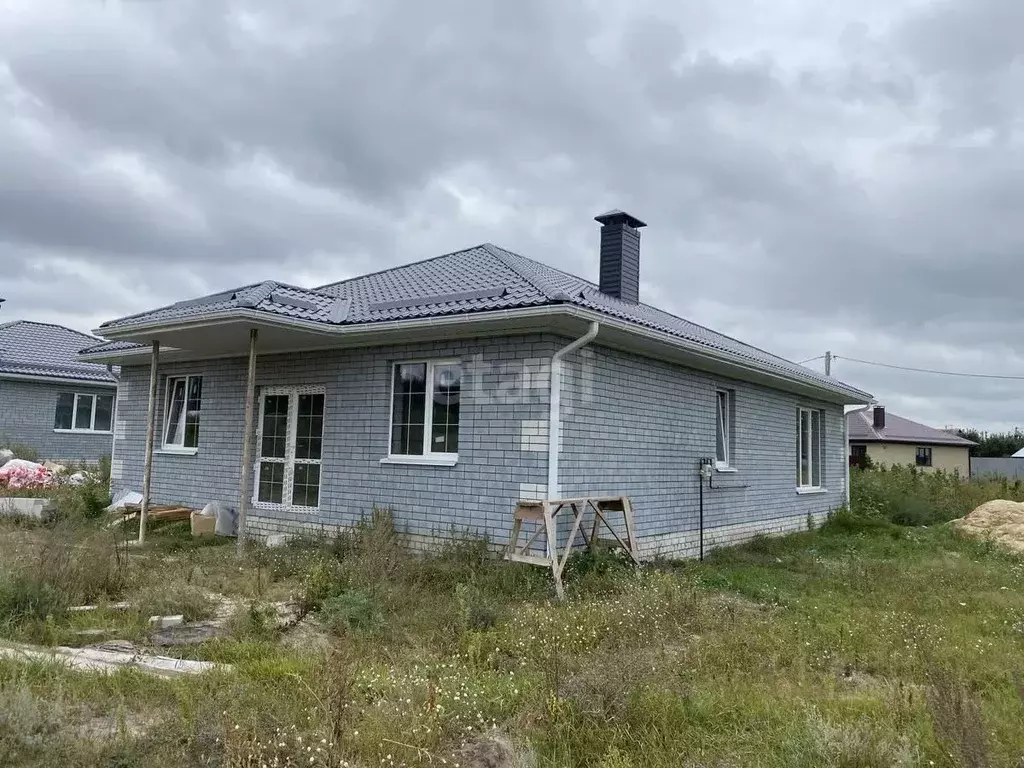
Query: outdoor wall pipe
[[846, 451], [555, 402]]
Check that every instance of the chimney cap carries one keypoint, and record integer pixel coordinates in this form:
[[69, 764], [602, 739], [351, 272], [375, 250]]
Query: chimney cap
[[615, 216]]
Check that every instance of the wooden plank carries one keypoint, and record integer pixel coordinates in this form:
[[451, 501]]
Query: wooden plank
[[572, 535], [531, 559]]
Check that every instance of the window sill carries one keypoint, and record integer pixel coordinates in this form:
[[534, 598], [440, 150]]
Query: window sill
[[83, 431], [178, 451], [811, 491], [725, 469], [428, 461], [267, 506]]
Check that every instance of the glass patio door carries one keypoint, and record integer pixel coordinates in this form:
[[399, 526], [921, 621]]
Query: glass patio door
[[289, 447]]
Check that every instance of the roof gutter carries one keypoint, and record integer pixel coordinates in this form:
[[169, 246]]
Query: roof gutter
[[545, 310], [58, 380], [555, 406]]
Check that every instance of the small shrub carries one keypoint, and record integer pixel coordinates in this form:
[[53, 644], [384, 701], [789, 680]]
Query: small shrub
[[350, 611], [843, 520], [86, 501], [476, 612], [324, 580], [861, 743], [72, 566], [372, 552], [601, 570], [22, 597], [957, 719], [27, 724], [256, 621]]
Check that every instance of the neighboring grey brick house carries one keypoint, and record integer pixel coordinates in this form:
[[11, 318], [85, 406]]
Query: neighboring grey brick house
[[51, 401], [428, 389]]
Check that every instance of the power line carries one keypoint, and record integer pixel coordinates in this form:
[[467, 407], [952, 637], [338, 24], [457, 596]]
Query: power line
[[927, 370], [811, 360]]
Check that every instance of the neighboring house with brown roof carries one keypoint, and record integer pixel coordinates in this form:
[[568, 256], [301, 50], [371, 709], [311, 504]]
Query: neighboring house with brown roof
[[888, 439], [448, 389], [50, 400]]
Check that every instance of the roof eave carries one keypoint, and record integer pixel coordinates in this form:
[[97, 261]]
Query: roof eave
[[912, 441], [838, 392], [41, 379]]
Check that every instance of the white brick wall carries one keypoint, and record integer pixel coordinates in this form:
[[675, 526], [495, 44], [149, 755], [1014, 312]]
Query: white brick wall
[[630, 426], [27, 410], [534, 435]]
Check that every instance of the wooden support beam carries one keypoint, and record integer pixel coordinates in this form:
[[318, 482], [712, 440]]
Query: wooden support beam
[[147, 472], [247, 442]]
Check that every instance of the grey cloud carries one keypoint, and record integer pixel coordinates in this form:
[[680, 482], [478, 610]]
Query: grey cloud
[[864, 199]]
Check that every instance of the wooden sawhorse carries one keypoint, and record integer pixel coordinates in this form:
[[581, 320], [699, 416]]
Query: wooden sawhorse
[[543, 514]]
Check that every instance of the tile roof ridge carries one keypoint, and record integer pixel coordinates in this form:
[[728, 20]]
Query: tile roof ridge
[[13, 323], [535, 280], [254, 295]]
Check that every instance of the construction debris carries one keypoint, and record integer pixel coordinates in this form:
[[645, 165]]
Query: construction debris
[[110, 607], [187, 634], [32, 508], [166, 622], [999, 521], [165, 512], [19, 474], [109, 658], [122, 498]]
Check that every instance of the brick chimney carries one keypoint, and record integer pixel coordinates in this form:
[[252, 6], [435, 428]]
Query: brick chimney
[[879, 416], [620, 255]]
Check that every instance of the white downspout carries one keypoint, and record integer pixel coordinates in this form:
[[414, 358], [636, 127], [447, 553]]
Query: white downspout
[[555, 402], [846, 450]]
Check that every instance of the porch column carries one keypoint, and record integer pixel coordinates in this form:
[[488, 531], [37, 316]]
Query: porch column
[[147, 474], [247, 440]]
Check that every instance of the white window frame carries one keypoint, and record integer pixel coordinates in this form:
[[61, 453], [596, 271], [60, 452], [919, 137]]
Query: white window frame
[[428, 456], [723, 421], [816, 457], [166, 447], [289, 461], [91, 430]]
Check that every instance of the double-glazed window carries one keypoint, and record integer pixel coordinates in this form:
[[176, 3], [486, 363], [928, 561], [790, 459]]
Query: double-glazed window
[[78, 412], [810, 448], [924, 456], [725, 401], [181, 422], [425, 408], [290, 446]]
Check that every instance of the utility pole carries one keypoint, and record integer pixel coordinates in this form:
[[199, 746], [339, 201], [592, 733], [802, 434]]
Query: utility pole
[[828, 363]]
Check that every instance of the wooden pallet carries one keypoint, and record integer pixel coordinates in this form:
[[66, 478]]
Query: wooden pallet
[[542, 516]]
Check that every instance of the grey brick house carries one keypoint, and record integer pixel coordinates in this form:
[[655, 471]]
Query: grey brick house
[[433, 389], [49, 399]]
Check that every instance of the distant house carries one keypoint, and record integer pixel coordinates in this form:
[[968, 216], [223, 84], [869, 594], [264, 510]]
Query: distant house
[[51, 401], [449, 389], [890, 440]]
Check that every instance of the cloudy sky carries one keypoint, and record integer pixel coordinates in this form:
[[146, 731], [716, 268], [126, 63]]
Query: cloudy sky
[[845, 175]]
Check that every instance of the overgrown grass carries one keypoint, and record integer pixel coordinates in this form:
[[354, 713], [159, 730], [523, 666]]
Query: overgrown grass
[[863, 643], [909, 496]]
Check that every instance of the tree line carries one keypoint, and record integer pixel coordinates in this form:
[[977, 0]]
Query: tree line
[[994, 444]]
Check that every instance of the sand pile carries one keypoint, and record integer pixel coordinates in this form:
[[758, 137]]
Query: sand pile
[[999, 520]]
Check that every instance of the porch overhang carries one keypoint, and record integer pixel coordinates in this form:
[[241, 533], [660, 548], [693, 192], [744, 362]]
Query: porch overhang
[[226, 334]]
